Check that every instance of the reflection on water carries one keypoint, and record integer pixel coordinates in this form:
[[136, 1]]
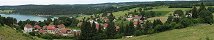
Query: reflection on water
[[20, 17]]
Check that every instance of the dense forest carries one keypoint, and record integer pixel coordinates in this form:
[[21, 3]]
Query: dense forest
[[69, 9], [95, 8]]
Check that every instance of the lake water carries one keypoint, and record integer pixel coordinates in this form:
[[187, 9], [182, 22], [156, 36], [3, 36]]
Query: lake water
[[20, 17]]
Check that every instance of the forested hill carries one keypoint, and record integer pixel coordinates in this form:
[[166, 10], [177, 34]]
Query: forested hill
[[92, 8], [70, 9]]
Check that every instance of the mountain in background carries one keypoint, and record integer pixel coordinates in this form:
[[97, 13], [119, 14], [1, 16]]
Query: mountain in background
[[87, 9], [68, 9]]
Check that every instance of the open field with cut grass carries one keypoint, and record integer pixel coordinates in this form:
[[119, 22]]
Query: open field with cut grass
[[162, 18], [197, 32], [7, 33], [122, 13], [170, 9]]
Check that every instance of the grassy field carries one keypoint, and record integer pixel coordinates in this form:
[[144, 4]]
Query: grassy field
[[165, 12], [170, 9], [7, 33], [197, 32], [122, 13], [116, 14]]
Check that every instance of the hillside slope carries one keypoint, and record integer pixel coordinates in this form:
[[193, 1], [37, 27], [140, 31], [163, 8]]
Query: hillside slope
[[7, 33], [197, 32]]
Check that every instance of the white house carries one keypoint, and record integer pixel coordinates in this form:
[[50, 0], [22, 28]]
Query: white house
[[28, 28]]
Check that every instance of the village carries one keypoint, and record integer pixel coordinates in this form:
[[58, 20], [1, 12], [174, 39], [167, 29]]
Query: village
[[63, 31], [51, 29]]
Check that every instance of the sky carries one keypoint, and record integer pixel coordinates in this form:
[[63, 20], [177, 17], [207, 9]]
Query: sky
[[48, 2]]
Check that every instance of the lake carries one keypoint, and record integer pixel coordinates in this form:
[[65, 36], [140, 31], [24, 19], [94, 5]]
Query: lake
[[20, 17]]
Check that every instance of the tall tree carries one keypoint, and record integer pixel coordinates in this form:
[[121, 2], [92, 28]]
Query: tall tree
[[179, 12], [169, 19], [88, 31], [157, 22], [206, 16], [202, 7], [129, 29], [111, 29], [194, 12]]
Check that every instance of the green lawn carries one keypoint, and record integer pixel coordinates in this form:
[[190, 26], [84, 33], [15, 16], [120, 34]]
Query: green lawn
[[122, 13], [7, 33], [197, 32], [167, 10], [170, 9]]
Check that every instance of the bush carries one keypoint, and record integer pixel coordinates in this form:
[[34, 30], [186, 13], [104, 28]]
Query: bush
[[186, 22], [211, 9], [138, 32]]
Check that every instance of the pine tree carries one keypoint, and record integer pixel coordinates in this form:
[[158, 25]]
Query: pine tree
[[140, 9], [84, 31], [202, 7], [157, 22], [179, 12], [169, 19], [129, 29], [194, 12], [88, 31], [111, 29], [148, 27], [206, 16]]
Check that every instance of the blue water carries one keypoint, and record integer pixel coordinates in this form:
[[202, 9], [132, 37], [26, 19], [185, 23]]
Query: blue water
[[20, 17]]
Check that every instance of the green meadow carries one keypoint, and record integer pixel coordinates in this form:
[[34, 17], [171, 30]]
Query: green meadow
[[197, 32], [8, 33]]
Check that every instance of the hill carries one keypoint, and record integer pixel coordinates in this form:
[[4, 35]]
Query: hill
[[197, 32], [7, 33], [71, 9]]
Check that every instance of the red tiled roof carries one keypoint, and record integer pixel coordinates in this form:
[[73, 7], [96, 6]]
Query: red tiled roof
[[61, 26], [97, 26], [37, 27], [28, 26], [105, 25], [64, 30], [106, 19], [41, 31], [51, 27]]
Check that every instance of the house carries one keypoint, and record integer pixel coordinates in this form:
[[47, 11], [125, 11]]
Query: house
[[28, 28], [61, 26], [42, 31], [37, 28], [51, 29], [65, 32], [105, 25], [76, 32], [97, 25], [106, 19]]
